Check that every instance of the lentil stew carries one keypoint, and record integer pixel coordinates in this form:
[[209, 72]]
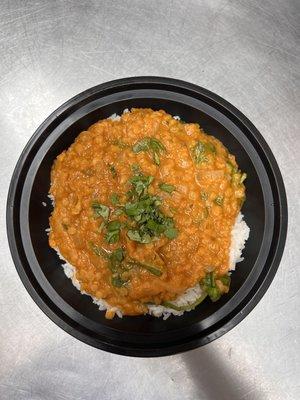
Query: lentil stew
[[144, 209]]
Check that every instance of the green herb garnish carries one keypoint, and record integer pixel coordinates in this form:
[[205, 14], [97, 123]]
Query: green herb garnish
[[171, 233], [115, 265], [136, 236], [136, 169], [232, 168], [118, 264], [113, 170], [114, 198], [115, 260], [208, 284], [118, 211], [100, 210], [140, 184], [151, 145], [113, 225], [148, 221], [117, 281], [150, 268], [99, 251], [120, 144], [102, 225], [225, 279], [237, 176], [167, 187], [210, 148], [117, 255], [113, 232], [201, 150], [219, 200], [204, 196]]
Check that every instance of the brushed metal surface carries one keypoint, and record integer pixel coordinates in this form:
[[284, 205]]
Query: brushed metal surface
[[247, 52]]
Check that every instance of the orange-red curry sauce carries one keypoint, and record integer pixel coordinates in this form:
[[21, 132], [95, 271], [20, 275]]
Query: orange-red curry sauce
[[199, 189]]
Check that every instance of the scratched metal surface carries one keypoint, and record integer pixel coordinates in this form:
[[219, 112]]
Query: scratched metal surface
[[246, 51]]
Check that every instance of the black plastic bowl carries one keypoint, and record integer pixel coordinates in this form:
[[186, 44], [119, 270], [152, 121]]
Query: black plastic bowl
[[265, 212]]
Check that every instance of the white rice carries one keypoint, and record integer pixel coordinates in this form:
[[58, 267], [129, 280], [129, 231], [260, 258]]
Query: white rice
[[239, 235], [52, 199], [116, 117], [188, 297]]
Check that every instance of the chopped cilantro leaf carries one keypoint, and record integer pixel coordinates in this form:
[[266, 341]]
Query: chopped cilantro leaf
[[151, 145], [140, 183], [112, 237], [171, 233], [136, 169], [100, 210], [118, 282], [113, 225], [115, 199], [149, 222], [201, 150], [113, 232], [167, 187]]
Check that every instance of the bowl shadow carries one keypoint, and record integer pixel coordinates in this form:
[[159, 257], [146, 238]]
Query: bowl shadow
[[219, 379]]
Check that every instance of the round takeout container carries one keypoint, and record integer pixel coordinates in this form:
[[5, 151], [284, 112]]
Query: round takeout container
[[38, 265]]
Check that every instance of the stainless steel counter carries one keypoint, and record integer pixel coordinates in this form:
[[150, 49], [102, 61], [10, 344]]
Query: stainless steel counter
[[246, 51]]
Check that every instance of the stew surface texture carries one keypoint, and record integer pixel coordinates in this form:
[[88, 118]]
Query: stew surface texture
[[144, 209]]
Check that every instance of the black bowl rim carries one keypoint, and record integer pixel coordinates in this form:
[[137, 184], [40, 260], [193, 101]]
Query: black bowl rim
[[54, 314]]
